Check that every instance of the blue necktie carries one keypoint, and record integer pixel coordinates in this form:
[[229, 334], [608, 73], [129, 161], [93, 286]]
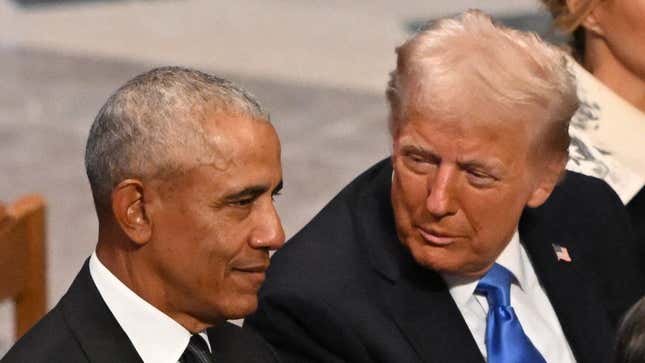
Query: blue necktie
[[505, 339]]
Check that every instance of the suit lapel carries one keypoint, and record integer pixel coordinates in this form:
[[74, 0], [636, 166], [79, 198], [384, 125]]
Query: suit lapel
[[424, 310], [584, 321], [417, 298], [93, 325], [427, 315], [231, 343]]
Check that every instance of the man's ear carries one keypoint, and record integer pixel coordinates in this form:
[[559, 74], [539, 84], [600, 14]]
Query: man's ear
[[547, 178], [129, 210], [590, 21]]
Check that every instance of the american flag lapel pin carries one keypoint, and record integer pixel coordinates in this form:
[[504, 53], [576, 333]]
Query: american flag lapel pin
[[561, 253]]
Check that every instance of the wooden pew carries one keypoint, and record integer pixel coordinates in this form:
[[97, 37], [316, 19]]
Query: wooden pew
[[22, 259]]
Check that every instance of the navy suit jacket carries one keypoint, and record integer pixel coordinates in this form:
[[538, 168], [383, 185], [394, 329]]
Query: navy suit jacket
[[344, 289], [81, 328]]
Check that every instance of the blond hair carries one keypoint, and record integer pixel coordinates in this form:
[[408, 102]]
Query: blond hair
[[471, 59], [569, 22], [566, 20]]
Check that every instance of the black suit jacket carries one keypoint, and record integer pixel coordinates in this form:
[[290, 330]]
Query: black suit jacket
[[636, 210], [344, 289], [81, 328]]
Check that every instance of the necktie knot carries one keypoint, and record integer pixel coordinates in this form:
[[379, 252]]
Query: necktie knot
[[496, 286], [197, 351], [506, 341]]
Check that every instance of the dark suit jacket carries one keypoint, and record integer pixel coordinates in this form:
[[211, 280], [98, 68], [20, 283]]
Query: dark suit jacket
[[344, 289], [636, 210], [81, 328]]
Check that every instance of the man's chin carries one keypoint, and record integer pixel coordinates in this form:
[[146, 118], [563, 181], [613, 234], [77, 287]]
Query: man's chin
[[242, 308], [440, 259], [456, 268], [429, 256]]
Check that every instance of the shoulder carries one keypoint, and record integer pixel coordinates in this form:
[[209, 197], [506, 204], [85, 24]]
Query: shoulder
[[586, 214], [584, 211], [327, 252], [322, 288], [585, 200], [584, 206], [374, 183], [338, 219], [50, 340], [580, 187], [230, 343]]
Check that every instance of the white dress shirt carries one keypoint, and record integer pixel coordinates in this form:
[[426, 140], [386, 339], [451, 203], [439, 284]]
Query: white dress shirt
[[156, 337], [528, 299]]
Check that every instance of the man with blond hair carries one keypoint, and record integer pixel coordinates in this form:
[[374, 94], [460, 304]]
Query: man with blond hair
[[471, 243]]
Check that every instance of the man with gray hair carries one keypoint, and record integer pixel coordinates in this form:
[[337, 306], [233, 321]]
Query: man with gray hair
[[470, 243], [183, 167]]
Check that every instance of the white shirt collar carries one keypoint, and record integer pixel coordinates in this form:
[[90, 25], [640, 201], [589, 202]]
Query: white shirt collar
[[156, 337], [513, 257]]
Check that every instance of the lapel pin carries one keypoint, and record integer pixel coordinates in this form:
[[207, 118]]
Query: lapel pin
[[561, 253]]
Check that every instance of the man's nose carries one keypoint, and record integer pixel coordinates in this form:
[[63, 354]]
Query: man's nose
[[268, 232], [441, 189]]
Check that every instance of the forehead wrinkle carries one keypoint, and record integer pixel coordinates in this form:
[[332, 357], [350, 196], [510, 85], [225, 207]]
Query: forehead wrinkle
[[469, 150], [229, 138], [426, 143], [219, 142], [409, 141], [221, 152]]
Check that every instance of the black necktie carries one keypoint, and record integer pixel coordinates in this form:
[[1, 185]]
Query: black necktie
[[197, 351]]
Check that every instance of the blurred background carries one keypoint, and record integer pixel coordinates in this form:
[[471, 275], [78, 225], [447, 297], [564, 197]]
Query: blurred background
[[320, 67]]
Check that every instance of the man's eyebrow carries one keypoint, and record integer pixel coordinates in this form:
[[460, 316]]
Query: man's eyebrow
[[423, 151], [253, 191], [491, 165]]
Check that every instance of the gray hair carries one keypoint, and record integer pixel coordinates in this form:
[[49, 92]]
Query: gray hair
[[153, 123], [470, 58]]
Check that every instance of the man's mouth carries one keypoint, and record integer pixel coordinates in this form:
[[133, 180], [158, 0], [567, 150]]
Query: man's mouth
[[436, 237], [252, 268]]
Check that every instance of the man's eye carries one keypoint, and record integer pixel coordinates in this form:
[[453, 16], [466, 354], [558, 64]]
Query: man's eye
[[275, 194], [416, 158], [479, 178], [419, 164], [243, 202]]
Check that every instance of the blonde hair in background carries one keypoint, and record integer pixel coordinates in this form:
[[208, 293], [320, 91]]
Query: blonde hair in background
[[455, 61], [566, 20]]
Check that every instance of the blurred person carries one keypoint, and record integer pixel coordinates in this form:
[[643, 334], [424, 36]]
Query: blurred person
[[608, 44], [183, 168], [461, 247], [630, 342]]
